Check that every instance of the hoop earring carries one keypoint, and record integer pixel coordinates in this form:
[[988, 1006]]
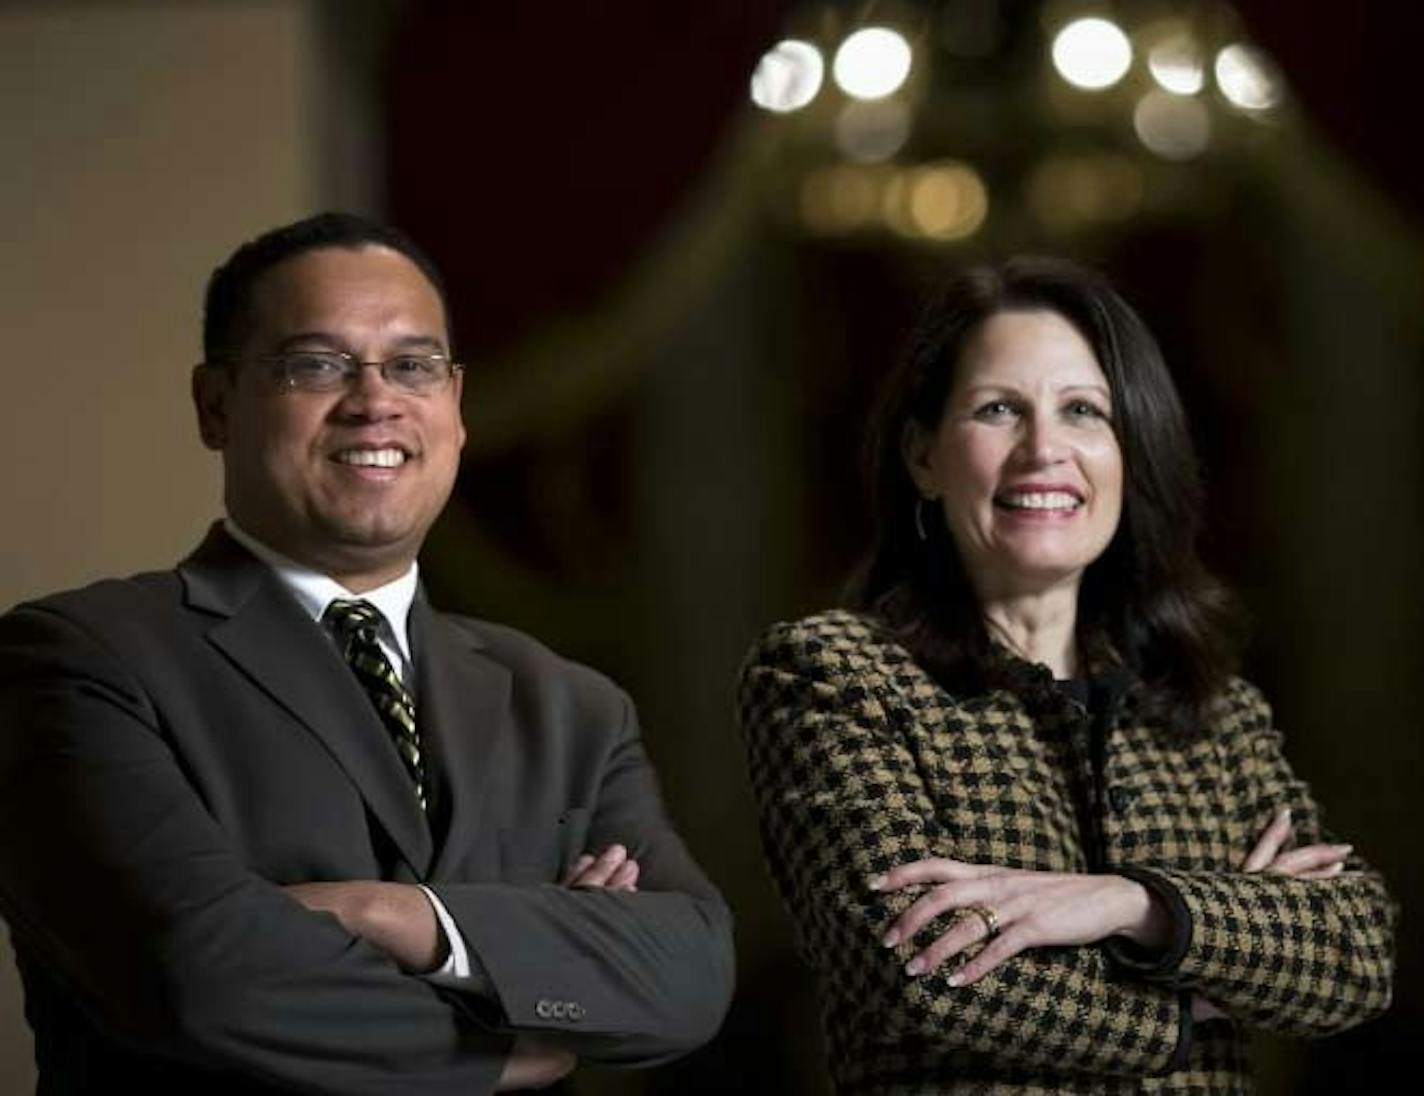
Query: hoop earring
[[920, 520]]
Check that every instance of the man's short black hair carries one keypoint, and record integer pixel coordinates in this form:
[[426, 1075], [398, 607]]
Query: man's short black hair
[[227, 305]]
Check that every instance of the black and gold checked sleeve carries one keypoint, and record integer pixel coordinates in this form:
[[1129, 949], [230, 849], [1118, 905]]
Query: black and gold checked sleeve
[[1300, 956], [845, 781]]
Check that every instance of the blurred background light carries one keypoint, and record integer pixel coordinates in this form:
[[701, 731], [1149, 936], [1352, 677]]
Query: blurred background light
[[1247, 78], [942, 201], [1092, 53], [840, 198], [1068, 193], [1176, 64], [1174, 127], [873, 132], [947, 201], [788, 76], [872, 63]]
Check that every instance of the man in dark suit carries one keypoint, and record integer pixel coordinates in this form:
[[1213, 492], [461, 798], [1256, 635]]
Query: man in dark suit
[[269, 822]]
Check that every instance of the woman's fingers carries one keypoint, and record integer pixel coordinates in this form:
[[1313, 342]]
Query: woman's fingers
[[935, 869], [996, 951], [921, 912], [1268, 846], [1309, 859], [968, 929], [1307, 862]]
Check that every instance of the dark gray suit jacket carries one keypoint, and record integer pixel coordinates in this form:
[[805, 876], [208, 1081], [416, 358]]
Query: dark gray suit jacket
[[175, 746]]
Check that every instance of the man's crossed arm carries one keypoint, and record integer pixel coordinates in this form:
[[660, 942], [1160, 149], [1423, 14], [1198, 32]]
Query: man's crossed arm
[[399, 919]]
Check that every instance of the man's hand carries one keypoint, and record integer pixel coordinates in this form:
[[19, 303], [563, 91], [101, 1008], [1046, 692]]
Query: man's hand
[[396, 917], [534, 1064], [612, 869]]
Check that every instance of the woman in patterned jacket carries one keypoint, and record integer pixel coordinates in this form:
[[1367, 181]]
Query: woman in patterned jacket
[[1034, 835]]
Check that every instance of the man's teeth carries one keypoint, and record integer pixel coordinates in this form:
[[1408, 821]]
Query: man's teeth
[[372, 458], [1041, 500]]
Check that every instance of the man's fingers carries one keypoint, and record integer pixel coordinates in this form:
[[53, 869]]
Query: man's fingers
[[534, 1064], [579, 866], [1273, 838], [600, 871], [625, 878]]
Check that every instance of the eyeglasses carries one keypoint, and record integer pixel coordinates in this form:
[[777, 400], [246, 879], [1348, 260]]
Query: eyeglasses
[[330, 370]]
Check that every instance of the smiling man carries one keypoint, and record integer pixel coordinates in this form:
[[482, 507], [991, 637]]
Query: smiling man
[[269, 822]]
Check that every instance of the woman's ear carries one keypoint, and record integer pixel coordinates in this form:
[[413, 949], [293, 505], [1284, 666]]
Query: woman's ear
[[917, 451]]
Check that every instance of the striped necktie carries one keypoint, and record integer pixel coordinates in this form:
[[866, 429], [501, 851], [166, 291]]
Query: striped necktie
[[356, 624]]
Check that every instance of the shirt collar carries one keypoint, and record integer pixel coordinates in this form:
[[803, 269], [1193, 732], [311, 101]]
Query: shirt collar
[[314, 591]]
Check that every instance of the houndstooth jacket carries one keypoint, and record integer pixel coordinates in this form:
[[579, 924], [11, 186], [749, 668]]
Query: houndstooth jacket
[[859, 761]]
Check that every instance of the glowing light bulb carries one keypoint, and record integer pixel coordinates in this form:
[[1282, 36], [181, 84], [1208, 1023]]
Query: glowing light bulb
[[872, 63], [1173, 127], [1092, 53], [1176, 65], [871, 133], [788, 76], [948, 202], [942, 201], [1247, 78]]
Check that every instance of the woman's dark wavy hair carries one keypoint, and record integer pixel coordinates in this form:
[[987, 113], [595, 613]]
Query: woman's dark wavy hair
[[1147, 603]]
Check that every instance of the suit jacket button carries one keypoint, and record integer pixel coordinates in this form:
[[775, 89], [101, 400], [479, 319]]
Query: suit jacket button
[[561, 1010], [1120, 798], [543, 1008], [575, 1011]]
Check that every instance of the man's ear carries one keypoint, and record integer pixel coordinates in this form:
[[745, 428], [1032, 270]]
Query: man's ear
[[459, 382], [211, 388], [916, 450]]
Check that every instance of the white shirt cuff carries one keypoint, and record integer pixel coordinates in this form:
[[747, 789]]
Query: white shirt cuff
[[456, 968]]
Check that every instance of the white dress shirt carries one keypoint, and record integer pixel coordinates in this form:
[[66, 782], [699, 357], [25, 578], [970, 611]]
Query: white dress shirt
[[314, 592]]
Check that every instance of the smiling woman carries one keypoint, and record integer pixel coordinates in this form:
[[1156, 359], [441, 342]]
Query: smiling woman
[[1033, 833], [1023, 463]]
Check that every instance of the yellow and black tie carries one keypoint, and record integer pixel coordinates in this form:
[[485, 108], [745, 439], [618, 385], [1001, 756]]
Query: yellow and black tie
[[355, 624]]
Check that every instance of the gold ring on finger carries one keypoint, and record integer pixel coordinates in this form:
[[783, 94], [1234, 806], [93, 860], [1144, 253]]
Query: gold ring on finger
[[985, 914]]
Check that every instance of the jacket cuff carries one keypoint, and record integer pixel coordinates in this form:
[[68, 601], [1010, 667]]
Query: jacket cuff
[[1151, 963], [1184, 1033]]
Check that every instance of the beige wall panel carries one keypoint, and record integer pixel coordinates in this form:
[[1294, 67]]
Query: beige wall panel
[[141, 143]]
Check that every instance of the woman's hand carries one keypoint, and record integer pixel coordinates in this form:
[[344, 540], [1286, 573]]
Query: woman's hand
[[1008, 910], [1306, 862]]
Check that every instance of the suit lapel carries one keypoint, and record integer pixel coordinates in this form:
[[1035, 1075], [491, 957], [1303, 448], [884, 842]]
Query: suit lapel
[[463, 699], [265, 633]]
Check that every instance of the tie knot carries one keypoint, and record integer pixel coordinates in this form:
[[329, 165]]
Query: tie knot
[[353, 619]]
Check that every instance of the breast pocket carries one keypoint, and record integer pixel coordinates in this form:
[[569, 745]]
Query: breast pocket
[[543, 853]]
